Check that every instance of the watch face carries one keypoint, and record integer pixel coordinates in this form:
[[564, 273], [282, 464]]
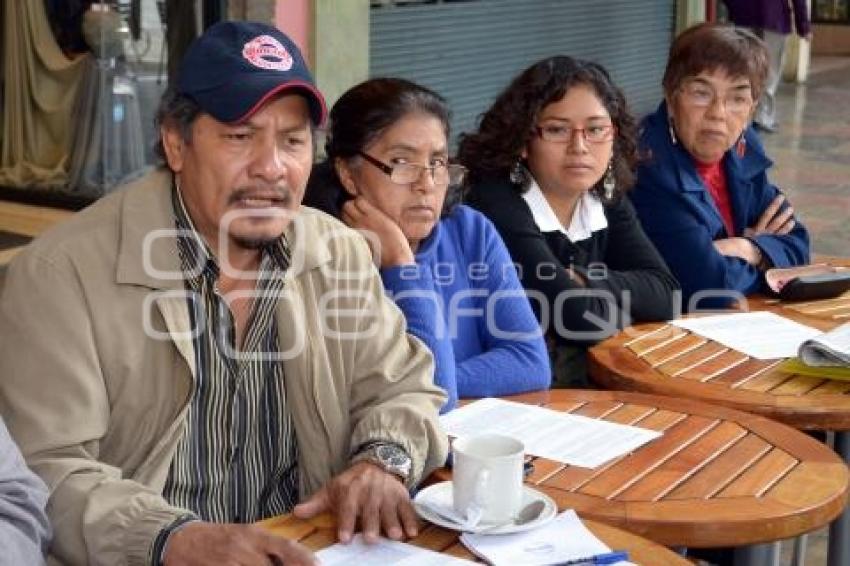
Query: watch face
[[393, 459], [392, 455]]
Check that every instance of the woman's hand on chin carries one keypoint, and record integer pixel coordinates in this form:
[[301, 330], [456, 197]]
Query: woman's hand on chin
[[388, 243]]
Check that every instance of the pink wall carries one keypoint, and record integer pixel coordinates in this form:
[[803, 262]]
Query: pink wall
[[293, 18]]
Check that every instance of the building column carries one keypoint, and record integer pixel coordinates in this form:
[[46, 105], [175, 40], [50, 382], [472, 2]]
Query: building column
[[339, 45], [252, 10], [688, 13]]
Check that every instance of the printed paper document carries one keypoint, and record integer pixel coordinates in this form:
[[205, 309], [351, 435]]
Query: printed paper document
[[384, 552], [563, 540], [761, 335], [572, 439]]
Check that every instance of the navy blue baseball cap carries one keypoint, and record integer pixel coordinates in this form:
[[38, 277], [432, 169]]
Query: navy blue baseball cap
[[235, 67]]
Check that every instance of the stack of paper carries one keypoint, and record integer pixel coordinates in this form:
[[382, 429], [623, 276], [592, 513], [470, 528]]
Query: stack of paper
[[564, 540], [826, 355], [829, 349], [572, 439]]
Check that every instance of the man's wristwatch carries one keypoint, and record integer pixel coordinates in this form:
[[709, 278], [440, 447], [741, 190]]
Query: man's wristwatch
[[389, 456]]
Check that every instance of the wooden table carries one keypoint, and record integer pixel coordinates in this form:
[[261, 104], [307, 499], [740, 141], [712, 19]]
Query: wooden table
[[835, 310], [717, 477], [666, 360], [662, 359], [319, 533]]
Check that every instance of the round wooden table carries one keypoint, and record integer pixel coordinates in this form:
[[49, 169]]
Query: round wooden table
[[319, 533], [717, 477], [665, 360]]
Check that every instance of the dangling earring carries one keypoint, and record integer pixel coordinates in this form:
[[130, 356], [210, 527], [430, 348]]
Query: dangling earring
[[610, 182], [519, 174], [671, 130], [741, 146]]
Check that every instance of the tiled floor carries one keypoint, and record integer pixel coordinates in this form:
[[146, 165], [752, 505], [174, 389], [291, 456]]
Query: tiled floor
[[811, 152]]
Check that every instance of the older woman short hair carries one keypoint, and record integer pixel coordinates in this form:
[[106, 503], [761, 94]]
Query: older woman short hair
[[702, 192], [550, 165], [388, 174]]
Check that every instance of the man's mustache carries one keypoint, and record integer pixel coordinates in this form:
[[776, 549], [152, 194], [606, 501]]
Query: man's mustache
[[275, 193]]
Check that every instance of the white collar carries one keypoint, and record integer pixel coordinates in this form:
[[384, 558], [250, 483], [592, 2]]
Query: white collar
[[588, 216]]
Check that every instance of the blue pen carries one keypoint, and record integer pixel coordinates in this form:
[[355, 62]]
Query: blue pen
[[610, 557], [599, 559]]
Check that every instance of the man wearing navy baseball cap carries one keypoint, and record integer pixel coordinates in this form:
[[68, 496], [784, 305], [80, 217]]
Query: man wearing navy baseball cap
[[196, 351]]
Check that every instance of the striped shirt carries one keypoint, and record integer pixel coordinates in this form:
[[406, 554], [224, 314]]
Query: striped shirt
[[236, 460]]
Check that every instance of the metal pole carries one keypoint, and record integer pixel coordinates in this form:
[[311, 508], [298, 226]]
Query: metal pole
[[839, 531], [757, 555]]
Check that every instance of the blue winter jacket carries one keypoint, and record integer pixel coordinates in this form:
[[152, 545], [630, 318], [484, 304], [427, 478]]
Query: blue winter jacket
[[681, 219]]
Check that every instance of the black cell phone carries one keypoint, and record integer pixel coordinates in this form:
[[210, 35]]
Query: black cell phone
[[813, 287]]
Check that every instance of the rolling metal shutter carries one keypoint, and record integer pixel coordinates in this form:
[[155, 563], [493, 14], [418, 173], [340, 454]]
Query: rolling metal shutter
[[468, 50]]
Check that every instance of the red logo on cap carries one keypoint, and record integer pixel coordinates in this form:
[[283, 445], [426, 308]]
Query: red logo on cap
[[267, 53]]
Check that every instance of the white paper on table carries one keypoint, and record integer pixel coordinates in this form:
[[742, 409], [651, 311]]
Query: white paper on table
[[383, 552], [762, 335], [563, 539], [573, 439]]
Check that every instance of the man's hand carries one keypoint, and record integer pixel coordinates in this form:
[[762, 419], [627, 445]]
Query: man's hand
[[740, 248], [244, 545], [366, 491], [395, 250], [772, 221]]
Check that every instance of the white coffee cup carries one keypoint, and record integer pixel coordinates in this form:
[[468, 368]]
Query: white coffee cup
[[487, 477]]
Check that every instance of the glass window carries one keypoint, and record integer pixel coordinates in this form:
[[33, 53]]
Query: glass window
[[831, 11]]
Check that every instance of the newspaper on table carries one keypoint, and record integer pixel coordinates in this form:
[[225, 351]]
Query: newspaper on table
[[828, 349]]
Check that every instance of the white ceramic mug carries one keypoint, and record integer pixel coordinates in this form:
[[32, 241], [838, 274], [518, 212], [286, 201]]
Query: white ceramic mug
[[487, 476]]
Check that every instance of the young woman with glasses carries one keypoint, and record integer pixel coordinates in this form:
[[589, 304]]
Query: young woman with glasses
[[549, 165], [388, 175], [702, 192]]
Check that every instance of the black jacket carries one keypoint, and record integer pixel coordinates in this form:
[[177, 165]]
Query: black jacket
[[628, 279]]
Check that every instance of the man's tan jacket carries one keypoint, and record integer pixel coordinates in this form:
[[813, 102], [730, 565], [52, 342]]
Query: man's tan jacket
[[96, 366]]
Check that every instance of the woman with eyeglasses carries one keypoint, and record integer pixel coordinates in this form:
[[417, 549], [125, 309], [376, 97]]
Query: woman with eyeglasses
[[549, 165], [702, 191], [388, 175]]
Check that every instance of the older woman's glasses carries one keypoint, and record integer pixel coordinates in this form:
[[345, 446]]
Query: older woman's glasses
[[561, 133], [737, 101], [408, 173]]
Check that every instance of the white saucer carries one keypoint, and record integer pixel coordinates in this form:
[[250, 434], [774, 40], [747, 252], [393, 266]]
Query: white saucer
[[440, 495]]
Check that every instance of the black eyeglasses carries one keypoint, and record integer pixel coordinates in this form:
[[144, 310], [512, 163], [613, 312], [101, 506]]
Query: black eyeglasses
[[407, 173], [560, 133]]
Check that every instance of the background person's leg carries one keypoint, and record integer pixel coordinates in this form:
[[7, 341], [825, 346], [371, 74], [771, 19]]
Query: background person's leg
[[766, 111]]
